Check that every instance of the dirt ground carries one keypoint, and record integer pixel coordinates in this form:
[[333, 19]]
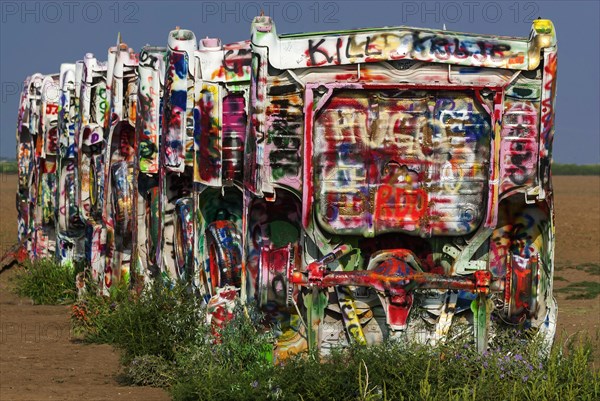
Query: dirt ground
[[38, 358], [577, 211], [40, 361]]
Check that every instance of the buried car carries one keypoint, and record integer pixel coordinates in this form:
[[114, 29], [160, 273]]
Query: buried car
[[398, 184]]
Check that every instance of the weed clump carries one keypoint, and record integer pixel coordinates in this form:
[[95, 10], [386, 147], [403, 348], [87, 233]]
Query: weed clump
[[150, 370], [48, 282], [154, 322], [403, 371], [581, 290]]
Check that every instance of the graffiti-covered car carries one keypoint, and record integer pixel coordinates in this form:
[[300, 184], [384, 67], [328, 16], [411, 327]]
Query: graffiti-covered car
[[399, 183], [204, 126], [146, 251], [93, 105], [27, 126], [44, 180], [117, 193], [70, 229]]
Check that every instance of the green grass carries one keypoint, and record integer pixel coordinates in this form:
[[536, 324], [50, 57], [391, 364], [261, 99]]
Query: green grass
[[166, 342], [402, 371], [575, 169], [589, 268], [154, 322], [581, 290], [47, 282], [8, 167]]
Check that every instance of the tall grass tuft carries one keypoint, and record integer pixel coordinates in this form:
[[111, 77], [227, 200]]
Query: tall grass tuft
[[47, 282], [404, 371], [154, 322]]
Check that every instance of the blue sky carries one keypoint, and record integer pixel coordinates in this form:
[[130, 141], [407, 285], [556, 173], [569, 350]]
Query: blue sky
[[37, 36]]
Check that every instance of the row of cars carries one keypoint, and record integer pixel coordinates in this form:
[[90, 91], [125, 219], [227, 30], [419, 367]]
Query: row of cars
[[356, 185]]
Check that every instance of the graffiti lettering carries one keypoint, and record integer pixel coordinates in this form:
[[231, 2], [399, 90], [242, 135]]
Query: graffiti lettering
[[416, 45], [393, 203], [51, 108], [149, 60], [237, 60], [285, 136]]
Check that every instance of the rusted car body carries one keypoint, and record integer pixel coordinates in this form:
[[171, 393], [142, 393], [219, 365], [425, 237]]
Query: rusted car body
[[358, 186]]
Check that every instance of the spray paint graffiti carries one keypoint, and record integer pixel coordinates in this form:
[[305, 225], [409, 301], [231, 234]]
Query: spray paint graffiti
[[119, 159], [427, 46], [149, 98], [70, 228], [357, 186], [386, 163], [146, 219]]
